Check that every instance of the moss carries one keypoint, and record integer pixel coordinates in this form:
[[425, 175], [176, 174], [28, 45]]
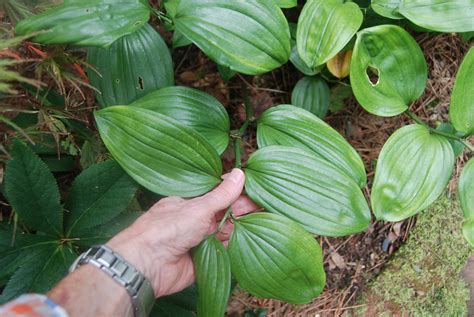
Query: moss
[[423, 278]]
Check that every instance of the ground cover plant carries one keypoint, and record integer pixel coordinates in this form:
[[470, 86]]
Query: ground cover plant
[[169, 139]]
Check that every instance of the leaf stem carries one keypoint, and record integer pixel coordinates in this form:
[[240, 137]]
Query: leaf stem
[[162, 16], [417, 119], [228, 214], [238, 135]]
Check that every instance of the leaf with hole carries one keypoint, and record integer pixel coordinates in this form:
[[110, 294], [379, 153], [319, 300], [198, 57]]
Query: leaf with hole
[[273, 257], [193, 108], [299, 185], [159, 152], [28, 176], [251, 37], [312, 94], [213, 278], [461, 110], [440, 15], [413, 169], [324, 28], [466, 197], [388, 70], [98, 195], [87, 22], [291, 126], [130, 68]]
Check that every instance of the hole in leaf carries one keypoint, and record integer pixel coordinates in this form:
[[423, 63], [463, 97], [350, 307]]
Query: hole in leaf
[[117, 81], [88, 10], [373, 75], [141, 85]]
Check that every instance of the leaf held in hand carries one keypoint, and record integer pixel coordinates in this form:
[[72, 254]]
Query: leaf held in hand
[[273, 257], [413, 169], [307, 189], [160, 153]]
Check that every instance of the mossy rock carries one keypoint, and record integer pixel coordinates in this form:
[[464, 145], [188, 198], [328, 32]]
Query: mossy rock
[[424, 276]]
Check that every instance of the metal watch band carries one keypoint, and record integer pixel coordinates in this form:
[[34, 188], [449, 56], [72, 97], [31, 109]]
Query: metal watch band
[[114, 265]]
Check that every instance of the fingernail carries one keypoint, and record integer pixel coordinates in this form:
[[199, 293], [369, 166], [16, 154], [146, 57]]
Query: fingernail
[[236, 176]]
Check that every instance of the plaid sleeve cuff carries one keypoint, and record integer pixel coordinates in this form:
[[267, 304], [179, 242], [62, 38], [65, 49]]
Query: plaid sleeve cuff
[[32, 305]]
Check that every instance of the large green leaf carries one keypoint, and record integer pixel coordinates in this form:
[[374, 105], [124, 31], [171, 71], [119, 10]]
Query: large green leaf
[[312, 94], [86, 22], [40, 272], [388, 70], [461, 111], [193, 108], [440, 15], [273, 257], [251, 37], [413, 169], [32, 191], [387, 8], [466, 197], [324, 28], [286, 3], [212, 270], [297, 184], [131, 67], [160, 153], [98, 195], [295, 127]]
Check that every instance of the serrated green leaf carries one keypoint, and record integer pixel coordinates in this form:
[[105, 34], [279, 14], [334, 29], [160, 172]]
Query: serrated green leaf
[[87, 22], [193, 108], [324, 28], [32, 191], [440, 15], [273, 257], [466, 197], [387, 8], [130, 68], [97, 196], [251, 37], [160, 153], [291, 126], [212, 270], [312, 94], [40, 272], [461, 110], [286, 3], [388, 70], [297, 184], [413, 169]]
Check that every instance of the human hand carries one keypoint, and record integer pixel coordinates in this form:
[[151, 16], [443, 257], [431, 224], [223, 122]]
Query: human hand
[[158, 243]]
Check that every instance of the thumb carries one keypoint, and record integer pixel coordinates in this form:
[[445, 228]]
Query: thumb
[[225, 194]]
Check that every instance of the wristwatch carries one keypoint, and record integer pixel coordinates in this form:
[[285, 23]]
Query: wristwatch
[[114, 265]]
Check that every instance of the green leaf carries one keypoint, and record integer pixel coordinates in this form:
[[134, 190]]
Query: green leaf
[[40, 272], [32, 191], [440, 15], [182, 304], [339, 94], [457, 146], [86, 22], [388, 70], [301, 65], [307, 189], [461, 111], [387, 8], [273, 257], [193, 108], [312, 94], [413, 169], [160, 153], [466, 197], [130, 68], [179, 40], [212, 270], [251, 37], [324, 28], [97, 196], [286, 3], [291, 126]]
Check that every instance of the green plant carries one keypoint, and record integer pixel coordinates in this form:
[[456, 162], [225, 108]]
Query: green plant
[[305, 175]]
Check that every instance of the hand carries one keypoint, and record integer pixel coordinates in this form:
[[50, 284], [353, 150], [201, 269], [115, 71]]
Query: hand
[[158, 243]]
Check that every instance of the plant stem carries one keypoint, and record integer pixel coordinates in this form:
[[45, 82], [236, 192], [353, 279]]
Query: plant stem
[[417, 119], [228, 214], [238, 135]]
